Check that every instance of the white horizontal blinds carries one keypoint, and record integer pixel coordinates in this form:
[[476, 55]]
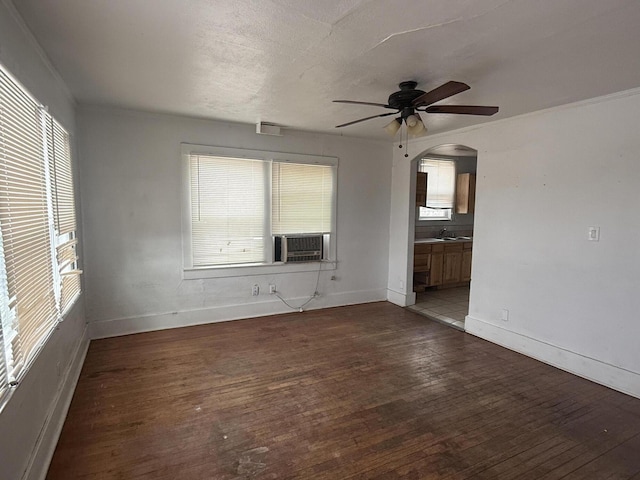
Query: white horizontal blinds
[[70, 289], [7, 322], [441, 181], [227, 210], [69, 273], [4, 381], [24, 221], [302, 198], [64, 213]]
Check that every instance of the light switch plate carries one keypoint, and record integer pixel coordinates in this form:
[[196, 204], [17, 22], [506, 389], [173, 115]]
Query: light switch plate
[[593, 234]]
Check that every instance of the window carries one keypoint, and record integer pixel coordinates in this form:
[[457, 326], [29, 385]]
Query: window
[[239, 200], [441, 184], [227, 210], [39, 278]]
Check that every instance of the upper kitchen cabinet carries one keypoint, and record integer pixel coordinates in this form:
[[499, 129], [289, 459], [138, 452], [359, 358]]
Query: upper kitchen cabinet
[[465, 193], [421, 189]]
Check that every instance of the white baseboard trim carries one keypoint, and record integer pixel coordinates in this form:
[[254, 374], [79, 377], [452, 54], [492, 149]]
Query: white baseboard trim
[[617, 378], [46, 444], [273, 306], [401, 299]]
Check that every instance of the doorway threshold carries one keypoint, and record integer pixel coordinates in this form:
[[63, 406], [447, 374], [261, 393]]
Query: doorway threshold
[[449, 322], [447, 306]]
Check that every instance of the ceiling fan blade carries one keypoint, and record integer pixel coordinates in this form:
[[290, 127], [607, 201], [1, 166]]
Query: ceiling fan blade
[[366, 118], [363, 103], [463, 109], [443, 91]]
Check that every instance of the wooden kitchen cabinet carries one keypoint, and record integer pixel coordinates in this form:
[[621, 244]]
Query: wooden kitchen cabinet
[[452, 263], [465, 274], [465, 193], [427, 265], [435, 278], [441, 264], [421, 189], [421, 257], [421, 266]]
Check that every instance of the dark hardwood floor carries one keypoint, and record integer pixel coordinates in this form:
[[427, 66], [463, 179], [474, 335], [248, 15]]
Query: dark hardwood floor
[[361, 392]]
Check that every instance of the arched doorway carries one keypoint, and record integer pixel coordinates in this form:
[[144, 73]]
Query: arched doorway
[[443, 232]]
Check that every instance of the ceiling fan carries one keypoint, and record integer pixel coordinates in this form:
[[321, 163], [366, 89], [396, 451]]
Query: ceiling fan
[[408, 101]]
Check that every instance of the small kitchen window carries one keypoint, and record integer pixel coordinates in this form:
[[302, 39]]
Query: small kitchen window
[[441, 185]]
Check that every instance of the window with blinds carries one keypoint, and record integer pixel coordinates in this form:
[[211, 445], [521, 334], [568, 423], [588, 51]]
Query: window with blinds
[[441, 188], [64, 214], [37, 228], [302, 198], [227, 210], [238, 204]]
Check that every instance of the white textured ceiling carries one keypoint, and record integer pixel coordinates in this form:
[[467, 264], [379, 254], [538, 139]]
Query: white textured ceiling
[[283, 61]]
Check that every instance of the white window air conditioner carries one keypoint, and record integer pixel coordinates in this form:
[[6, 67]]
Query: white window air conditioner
[[298, 248]]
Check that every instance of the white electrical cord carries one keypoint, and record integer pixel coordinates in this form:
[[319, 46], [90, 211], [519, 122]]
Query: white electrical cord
[[314, 295]]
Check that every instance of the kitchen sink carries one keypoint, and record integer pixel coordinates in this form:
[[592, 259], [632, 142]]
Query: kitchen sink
[[453, 238], [444, 239]]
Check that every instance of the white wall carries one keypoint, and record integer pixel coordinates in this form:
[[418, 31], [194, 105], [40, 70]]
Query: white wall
[[131, 178], [21, 54], [542, 179], [31, 419]]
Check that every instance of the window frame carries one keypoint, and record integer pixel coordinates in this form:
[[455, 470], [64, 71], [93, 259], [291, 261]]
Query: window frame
[[450, 211], [191, 272], [62, 247]]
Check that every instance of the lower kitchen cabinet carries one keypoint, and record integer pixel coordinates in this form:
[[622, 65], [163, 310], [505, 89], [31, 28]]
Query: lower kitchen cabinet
[[452, 264], [440, 264], [437, 258], [465, 274]]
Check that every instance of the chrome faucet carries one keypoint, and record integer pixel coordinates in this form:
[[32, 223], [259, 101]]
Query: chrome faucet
[[442, 232]]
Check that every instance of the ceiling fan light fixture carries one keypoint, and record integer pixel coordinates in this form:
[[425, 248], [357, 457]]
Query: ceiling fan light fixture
[[418, 133], [412, 120], [393, 126], [416, 127]]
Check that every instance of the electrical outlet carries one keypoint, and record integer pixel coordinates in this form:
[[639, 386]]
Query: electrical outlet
[[272, 288], [505, 315], [255, 290]]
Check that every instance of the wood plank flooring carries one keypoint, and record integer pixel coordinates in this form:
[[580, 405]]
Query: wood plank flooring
[[361, 392]]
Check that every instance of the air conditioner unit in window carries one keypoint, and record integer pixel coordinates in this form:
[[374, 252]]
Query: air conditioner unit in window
[[298, 248]]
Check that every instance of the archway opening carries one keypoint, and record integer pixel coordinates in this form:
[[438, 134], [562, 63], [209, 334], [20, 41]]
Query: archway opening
[[443, 225]]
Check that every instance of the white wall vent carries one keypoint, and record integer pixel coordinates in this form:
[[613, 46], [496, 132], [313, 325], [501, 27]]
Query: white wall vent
[[264, 128], [298, 248]]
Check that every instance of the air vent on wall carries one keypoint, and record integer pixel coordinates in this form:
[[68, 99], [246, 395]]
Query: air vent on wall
[[264, 128]]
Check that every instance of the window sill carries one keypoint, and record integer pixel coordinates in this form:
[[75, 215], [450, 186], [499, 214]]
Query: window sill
[[250, 270]]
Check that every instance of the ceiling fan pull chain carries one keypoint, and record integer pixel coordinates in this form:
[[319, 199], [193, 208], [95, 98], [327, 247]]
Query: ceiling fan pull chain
[[406, 141]]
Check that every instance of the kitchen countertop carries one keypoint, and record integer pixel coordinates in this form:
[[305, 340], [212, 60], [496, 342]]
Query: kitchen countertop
[[444, 240]]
